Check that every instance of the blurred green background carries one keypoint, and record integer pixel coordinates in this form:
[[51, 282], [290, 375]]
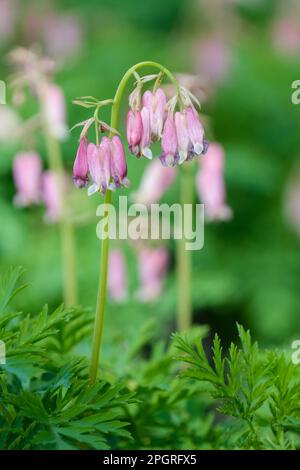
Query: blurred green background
[[249, 268]]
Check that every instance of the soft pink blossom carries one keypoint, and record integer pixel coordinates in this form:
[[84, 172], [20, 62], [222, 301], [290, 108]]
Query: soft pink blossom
[[153, 265], [169, 155], [117, 276], [212, 58], [7, 18], [286, 35], [195, 130], [155, 182], [156, 104], [146, 134], [211, 186], [52, 186], [55, 110], [62, 35], [27, 171]]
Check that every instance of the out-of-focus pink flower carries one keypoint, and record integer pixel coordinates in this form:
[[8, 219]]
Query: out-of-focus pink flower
[[286, 35], [156, 104], [62, 35], [169, 155], [7, 18], [118, 163], [52, 187], [212, 58], [210, 184], [80, 168], [117, 276], [155, 182], [55, 111], [153, 265], [292, 203], [27, 171], [134, 130]]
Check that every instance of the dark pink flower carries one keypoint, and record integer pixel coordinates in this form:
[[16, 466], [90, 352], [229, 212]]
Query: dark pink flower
[[134, 130], [118, 163], [80, 168]]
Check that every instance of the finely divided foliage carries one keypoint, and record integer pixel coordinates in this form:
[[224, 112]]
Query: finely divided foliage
[[46, 401], [259, 389]]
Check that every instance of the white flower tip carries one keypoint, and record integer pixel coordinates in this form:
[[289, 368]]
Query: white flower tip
[[198, 148], [94, 188], [147, 153], [182, 156]]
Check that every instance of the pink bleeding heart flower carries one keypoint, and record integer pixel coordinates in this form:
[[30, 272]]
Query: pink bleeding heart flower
[[169, 145], [211, 186], [183, 137], [153, 265], [99, 163], [117, 276], [52, 196], [155, 182], [134, 130], [118, 163], [80, 168], [196, 132], [27, 172], [55, 111], [156, 104], [146, 134]]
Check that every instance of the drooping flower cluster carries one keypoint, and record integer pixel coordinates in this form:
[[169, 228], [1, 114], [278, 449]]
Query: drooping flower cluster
[[104, 165], [35, 186], [151, 118]]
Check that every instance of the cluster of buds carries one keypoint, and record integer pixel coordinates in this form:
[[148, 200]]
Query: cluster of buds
[[151, 118], [102, 164]]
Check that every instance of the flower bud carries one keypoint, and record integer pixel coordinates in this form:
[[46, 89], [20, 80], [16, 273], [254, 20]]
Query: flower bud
[[134, 130], [80, 168], [118, 162], [196, 131]]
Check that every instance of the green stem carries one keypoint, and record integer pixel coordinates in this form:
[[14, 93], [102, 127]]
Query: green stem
[[101, 297], [66, 229], [184, 256]]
